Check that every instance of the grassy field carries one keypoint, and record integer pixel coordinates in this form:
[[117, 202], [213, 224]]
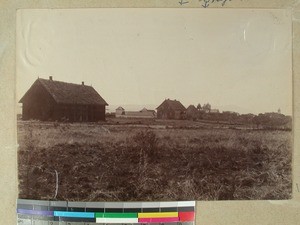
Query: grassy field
[[124, 160]]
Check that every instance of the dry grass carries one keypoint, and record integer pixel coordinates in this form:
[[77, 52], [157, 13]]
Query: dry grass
[[128, 161]]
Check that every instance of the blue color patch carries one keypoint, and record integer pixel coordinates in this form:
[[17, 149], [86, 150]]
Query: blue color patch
[[34, 212]]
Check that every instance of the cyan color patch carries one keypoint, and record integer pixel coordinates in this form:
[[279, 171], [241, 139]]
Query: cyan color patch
[[74, 214]]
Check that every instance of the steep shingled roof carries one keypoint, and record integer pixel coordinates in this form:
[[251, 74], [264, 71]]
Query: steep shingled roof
[[68, 93], [192, 108], [173, 104]]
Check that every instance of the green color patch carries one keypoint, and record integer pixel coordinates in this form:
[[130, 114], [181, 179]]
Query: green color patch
[[116, 215]]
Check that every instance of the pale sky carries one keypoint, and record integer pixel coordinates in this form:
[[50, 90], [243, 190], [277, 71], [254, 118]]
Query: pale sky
[[235, 59]]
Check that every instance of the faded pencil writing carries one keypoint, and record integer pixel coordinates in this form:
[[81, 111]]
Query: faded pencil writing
[[207, 3]]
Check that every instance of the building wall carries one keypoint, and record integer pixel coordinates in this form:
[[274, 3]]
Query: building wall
[[192, 113], [120, 112], [138, 114], [80, 113], [38, 104], [179, 115], [100, 113], [165, 113]]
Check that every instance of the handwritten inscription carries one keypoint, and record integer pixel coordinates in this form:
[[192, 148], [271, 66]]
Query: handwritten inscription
[[182, 2], [206, 3]]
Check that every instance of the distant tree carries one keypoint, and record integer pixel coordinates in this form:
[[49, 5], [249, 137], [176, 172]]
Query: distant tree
[[199, 106], [206, 107], [272, 120]]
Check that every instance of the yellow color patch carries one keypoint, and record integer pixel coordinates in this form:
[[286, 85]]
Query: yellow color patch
[[158, 215]]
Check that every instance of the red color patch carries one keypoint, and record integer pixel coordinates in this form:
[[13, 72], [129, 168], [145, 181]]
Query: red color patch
[[186, 216]]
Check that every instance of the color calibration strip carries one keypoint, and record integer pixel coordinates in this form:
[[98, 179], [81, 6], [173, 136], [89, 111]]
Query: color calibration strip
[[106, 212]]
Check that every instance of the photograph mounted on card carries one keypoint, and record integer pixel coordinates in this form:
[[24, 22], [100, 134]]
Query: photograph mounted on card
[[154, 104]]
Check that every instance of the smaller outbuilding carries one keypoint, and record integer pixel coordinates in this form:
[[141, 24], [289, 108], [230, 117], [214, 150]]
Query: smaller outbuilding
[[192, 112], [120, 111]]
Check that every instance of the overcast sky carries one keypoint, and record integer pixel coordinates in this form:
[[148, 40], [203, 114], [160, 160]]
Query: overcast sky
[[234, 59]]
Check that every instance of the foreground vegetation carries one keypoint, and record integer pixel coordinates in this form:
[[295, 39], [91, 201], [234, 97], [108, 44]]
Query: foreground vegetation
[[152, 160]]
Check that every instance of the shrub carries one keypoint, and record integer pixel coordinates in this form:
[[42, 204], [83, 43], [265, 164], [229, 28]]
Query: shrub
[[146, 141]]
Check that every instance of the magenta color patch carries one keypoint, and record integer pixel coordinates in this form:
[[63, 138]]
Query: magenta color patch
[[159, 220]]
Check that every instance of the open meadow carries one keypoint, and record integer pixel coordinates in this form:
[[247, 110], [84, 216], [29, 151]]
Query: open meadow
[[127, 160]]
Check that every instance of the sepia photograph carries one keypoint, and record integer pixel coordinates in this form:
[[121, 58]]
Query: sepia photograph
[[154, 104]]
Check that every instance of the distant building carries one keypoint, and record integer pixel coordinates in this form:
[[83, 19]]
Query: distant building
[[171, 109], [192, 112], [148, 110], [120, 111], [214, 111], [231, 113], [205, 110], [48, 100], [144, 113]]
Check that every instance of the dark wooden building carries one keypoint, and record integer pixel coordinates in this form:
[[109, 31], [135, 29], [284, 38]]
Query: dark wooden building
[[171, 109], [50, 100]]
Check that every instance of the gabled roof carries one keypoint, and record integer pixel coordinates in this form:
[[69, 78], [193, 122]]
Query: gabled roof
[[173, 104], [120, 108], [147, 110], [192, 108], [68, 93]]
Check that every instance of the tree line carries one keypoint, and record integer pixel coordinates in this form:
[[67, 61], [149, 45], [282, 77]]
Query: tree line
[[270, 120]]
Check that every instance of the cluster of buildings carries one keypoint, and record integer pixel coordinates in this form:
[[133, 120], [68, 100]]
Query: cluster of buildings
[[168, 109], [173, 109], [144, 113], [48, 100]]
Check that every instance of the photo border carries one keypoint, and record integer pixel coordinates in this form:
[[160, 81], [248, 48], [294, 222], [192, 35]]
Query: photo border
[[208, 212]]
